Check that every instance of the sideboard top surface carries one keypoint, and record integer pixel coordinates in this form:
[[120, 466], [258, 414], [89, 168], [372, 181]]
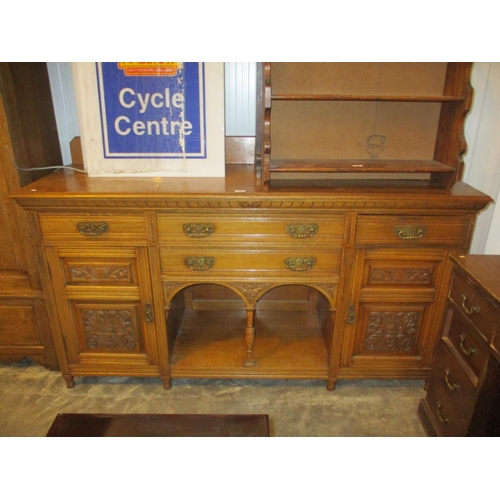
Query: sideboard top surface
[[240, 189]]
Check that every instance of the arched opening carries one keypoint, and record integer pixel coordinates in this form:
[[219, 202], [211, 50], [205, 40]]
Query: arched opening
[[284, 331], [206, 331], [293, 331]]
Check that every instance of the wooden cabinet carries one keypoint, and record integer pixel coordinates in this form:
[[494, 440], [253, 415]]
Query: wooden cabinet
[[28, 140], [463, 396], [230, 278]]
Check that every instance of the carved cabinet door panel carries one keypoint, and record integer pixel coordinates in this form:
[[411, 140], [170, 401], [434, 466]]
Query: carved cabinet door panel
[[104, 302], [394, 315]]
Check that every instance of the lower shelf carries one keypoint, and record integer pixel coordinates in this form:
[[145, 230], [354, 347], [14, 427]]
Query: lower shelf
[[287, 345]]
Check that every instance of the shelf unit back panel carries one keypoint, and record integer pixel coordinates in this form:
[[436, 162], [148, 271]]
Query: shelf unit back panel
[[421, 79], [361, 130]]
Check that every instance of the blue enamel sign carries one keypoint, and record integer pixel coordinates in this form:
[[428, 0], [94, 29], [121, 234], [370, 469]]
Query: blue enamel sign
[[152, 110]]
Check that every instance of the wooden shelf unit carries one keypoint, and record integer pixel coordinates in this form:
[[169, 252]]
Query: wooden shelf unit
[[368, 120]]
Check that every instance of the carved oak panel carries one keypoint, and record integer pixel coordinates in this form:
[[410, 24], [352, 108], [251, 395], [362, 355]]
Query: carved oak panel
[[392, 330], [109, 328]]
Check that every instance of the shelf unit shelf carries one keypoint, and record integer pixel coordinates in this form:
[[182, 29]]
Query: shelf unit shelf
[[382, 98]]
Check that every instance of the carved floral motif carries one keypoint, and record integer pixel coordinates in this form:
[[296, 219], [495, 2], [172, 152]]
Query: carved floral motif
[[108, 329], [404, 276], [392, 331], [99, 273], [251, 290]]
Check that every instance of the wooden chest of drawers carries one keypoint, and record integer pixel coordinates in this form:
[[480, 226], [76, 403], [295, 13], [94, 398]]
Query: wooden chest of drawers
[[463, 396], [230, 278]]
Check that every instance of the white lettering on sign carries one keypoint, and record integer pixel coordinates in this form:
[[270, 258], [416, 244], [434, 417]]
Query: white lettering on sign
[[152, 127], [157, 100], [129, 98]]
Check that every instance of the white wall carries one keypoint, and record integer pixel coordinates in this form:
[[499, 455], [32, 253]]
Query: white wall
[[482, 161], [482, 128]]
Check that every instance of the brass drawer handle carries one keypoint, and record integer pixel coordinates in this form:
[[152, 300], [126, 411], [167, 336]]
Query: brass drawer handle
[[198, 229], [199, 263], [471, 351], [451, 386], [410, 232], [441, 417], [300, 263], [92, 228], [301, 230], [148, 312], [472, 310]]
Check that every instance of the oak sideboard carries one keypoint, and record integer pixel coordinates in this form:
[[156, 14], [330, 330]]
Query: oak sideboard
[[238, 278]]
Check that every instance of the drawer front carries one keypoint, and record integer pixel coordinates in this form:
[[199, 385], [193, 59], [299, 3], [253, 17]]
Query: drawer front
[[211, 261], [466, 345], [474, 305], [93, 228], [414, 230], [454, 380], [445, 413], [215, 229]]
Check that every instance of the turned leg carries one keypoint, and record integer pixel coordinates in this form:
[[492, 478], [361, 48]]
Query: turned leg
[[330, 386], [250, 338], [70, 381], [167, 383]]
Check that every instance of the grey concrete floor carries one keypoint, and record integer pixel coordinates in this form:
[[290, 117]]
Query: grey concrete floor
[[32, 396]]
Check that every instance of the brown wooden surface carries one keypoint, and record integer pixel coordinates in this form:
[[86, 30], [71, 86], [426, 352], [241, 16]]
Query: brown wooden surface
[[157, 425], [146, 298], [463, 396], [327, 115], [28, 139]]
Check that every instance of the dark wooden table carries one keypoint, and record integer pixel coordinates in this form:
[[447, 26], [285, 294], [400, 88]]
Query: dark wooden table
[[157, 425]]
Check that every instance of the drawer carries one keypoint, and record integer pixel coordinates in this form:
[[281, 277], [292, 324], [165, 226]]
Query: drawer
[[464, 342], [96, 228], [456, 385], [410, 230], [445, 413], [215, 229], [212, 261], [474, 305]]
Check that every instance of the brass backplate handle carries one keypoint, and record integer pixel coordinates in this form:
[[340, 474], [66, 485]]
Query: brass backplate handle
[[300, 263], [200, 263], [92, 228], [198, 229], [301, 230], [474, 309], [471, 351], [410, 232]]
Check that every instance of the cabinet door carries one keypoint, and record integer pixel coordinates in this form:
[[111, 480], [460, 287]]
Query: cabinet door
[[394, 315], [105, 310]]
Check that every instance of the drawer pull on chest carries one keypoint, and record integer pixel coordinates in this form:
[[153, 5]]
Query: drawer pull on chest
[[301, 230], [452, 386], [92, 228], [198, 230], [199, 263], [300, 263], [410, 232], [469, 311], [441, 417], [471, 351]]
